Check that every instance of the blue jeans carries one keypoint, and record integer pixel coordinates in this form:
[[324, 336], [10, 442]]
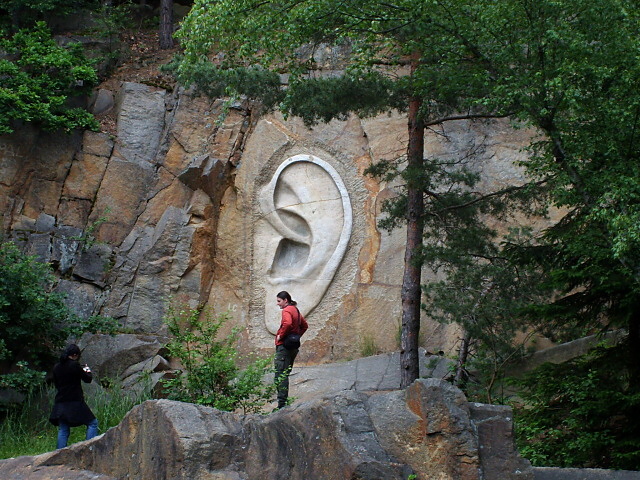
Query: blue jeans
[[64, 430]]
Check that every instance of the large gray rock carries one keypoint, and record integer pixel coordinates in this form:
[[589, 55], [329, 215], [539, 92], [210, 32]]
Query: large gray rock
[[111, 355], [428, 426], [94, 263], [210, 175], [65, 246], [374, 373], [494, 427], [82, 298], [101, 101], [425, 429], [141, 111]]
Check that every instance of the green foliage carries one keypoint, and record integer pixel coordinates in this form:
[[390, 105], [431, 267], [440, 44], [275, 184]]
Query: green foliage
[[252, 61], [215, 82], [581, 413], [579, 90], [478, 286], [111, 403], [87, 238], [25, 429], [487, 294], [37, 77], [211, 373], [34, 321], [24, 379], [31, 317], [93, 324]]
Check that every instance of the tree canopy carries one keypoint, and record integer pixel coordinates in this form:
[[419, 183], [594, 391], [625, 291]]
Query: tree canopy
[[37, 77]]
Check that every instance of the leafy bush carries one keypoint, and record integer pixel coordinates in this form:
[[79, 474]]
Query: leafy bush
[[580, 413], [36, 79], [34, 321], [211, 373], [31, 316]]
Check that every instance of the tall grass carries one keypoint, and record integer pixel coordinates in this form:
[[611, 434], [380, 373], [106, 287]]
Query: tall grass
[[368, 346], [26, 430]]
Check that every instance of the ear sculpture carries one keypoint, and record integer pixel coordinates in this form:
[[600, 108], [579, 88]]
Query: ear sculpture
[[303, 238]]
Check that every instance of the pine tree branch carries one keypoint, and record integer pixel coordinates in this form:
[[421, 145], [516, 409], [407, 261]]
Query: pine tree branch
[[465, 116]]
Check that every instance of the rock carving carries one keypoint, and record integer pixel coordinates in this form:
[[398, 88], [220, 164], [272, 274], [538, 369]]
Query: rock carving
[[300, 243]]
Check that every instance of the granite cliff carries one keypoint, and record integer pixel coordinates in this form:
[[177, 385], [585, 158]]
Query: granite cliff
[[207, 203]]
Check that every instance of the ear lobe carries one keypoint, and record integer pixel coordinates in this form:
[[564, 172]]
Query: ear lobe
[[305, 229]]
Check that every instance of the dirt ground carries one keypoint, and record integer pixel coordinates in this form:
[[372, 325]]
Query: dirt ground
[[140, 62]]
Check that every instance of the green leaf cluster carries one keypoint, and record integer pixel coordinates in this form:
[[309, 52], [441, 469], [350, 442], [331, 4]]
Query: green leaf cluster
[[24, 379], [478, 284], [34, 321], [31, 316], [37, 79], [581, 413], [281, 45], [211, 374]]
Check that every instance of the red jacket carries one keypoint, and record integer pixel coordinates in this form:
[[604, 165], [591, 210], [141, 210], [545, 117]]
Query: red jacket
[[292, 322]]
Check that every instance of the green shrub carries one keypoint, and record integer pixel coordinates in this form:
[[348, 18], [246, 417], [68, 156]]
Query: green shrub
[[211, 374], [34, 321], [24, 379], [111, 404], [580, 413], [31, 316], [37, 77]]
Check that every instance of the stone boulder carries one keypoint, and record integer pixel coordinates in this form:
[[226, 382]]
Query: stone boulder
[[112, 356], [24, 468], [427, 430], [374, 373]]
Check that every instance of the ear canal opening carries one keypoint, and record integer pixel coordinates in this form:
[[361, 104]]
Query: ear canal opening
[[290, 256]]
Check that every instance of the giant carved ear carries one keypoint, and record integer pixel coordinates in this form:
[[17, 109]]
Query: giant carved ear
[[303, 232]]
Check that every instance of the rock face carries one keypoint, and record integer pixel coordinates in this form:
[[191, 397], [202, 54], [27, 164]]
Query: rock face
[[213, 205], [428, 430]]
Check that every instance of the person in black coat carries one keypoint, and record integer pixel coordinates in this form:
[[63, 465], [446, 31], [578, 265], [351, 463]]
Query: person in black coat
[[69, 408]]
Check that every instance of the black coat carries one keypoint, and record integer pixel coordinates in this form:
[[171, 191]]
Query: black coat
[[69, 405]]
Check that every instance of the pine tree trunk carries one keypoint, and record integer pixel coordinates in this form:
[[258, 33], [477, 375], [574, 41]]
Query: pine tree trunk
[[166, 24], [411, 291]]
